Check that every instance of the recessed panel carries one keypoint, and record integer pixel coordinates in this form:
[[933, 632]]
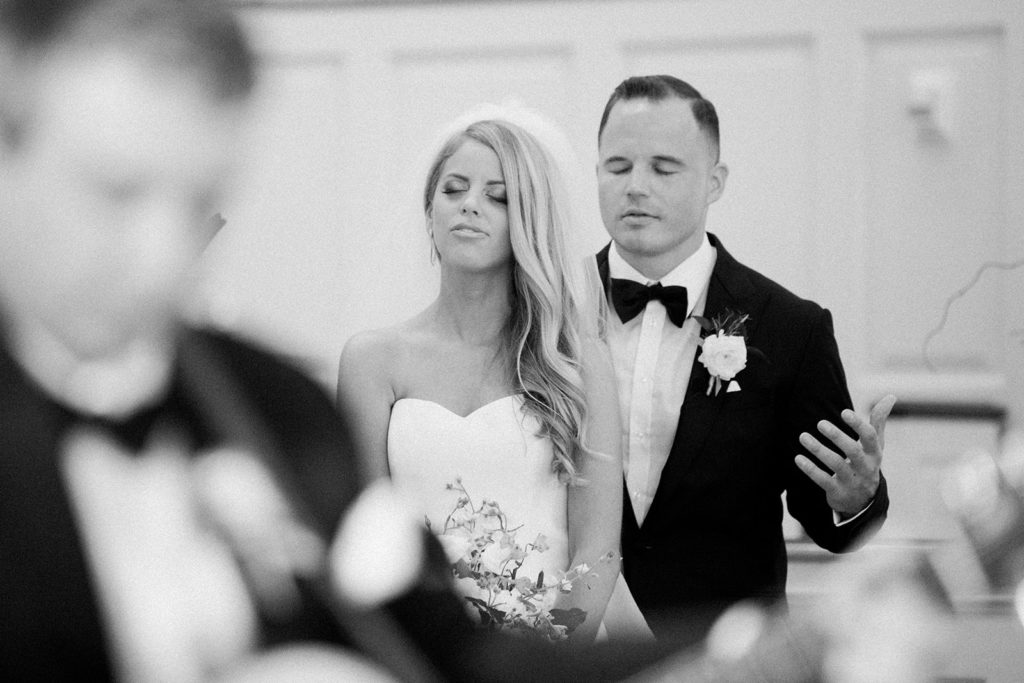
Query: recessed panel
[[934, 214], [278, 268]]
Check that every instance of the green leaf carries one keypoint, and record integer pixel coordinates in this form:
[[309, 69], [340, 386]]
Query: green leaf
[[461, 569]]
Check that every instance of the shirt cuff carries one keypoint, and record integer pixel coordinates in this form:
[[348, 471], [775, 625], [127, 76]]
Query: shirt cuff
[[839, 521]]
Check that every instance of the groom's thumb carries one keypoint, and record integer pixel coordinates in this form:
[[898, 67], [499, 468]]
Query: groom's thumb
[[879, 415]]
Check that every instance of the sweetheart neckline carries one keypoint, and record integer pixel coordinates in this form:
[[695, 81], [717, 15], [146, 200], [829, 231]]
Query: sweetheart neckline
[[452, 412]]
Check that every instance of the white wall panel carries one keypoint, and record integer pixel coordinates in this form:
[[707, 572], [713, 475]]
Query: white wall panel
[[935, 210], [286, 222]]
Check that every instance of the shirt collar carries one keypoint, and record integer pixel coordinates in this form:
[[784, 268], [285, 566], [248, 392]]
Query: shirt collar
[[694, 273]]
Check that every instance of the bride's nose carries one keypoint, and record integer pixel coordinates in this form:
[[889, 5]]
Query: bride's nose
[[470, 205]]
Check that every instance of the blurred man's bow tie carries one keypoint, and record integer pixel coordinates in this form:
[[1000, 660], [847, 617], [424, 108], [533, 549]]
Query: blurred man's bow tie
[[630, 298]]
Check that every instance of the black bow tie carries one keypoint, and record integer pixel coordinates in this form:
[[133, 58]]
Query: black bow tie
[[629, 298]]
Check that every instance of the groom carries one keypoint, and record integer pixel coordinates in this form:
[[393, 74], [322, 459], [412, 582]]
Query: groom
[[713, 440]]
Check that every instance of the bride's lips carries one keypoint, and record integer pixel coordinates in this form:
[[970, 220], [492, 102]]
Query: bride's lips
[[467, 230]]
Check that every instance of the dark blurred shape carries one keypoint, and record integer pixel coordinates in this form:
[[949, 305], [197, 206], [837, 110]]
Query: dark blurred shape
[[217, 222]]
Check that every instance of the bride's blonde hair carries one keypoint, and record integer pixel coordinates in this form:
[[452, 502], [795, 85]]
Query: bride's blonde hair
[[544, 337]]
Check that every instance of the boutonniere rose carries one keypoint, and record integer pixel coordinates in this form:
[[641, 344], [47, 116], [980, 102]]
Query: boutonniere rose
[[724, 349]]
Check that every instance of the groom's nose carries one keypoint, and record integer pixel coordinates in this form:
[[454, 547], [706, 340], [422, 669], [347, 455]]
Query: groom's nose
[[638, 182]]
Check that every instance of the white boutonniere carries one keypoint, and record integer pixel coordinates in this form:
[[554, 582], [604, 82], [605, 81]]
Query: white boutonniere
[[723, 349]]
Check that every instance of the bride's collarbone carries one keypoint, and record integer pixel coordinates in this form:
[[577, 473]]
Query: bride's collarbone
[[458, 375]]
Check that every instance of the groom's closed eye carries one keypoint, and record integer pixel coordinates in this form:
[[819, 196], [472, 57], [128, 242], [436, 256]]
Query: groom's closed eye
[[617, 166]]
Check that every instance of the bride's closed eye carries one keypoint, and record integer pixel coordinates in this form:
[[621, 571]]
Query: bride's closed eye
[[453, 188]]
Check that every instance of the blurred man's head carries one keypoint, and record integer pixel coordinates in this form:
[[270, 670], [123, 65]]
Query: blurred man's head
[[118, 125]]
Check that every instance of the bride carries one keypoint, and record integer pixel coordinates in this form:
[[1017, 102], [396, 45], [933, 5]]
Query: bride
[[501, 390]]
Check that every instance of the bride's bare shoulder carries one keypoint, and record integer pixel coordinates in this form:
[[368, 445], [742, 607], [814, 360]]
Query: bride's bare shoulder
[[385, 345]]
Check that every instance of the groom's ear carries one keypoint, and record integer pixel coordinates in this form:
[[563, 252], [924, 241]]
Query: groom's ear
[[716, 187]]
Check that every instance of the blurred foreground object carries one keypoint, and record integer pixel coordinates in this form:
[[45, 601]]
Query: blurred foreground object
[[886, 621], [986, 493]]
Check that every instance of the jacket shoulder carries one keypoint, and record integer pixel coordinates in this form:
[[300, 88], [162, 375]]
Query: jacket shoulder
[[779, 300]]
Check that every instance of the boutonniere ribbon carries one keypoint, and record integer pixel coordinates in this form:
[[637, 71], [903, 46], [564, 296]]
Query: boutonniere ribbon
[[723, 349]]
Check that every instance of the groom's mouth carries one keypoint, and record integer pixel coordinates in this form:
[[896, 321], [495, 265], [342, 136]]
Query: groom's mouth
[[636, 216]]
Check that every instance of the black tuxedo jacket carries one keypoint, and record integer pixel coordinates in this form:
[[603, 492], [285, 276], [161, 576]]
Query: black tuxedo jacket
[[713, 533], [50, 628]]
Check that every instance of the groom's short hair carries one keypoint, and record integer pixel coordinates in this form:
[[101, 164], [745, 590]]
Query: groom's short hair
[[198, 38], [660, 87]]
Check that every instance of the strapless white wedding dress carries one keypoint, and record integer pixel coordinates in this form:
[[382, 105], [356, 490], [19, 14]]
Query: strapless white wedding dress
[[497, 454]]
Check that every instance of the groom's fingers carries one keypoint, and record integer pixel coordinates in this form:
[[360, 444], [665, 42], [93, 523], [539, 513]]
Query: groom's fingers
[[816, 474], [864, 429], [827, 456], [845, 443]]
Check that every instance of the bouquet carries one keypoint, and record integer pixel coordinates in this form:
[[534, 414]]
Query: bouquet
[[484, 550]]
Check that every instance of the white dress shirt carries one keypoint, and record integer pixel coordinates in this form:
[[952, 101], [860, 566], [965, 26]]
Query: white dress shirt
[[653, 359]]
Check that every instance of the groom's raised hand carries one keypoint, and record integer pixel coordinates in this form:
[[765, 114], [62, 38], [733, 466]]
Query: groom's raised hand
[[856, 473]]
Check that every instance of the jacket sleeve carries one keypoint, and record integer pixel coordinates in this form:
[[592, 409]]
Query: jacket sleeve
[[818, 392]]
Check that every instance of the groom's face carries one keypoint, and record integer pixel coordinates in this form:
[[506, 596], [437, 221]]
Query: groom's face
[[656, 175]]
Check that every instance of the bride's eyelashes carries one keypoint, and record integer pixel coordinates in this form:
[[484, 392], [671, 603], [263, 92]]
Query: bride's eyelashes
[[494, 196], [453, 188]]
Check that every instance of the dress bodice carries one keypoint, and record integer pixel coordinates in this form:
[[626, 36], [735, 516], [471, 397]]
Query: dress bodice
[[498, 454]]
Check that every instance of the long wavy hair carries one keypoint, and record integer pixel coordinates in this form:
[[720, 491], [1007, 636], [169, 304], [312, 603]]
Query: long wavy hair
[[543, 338]]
